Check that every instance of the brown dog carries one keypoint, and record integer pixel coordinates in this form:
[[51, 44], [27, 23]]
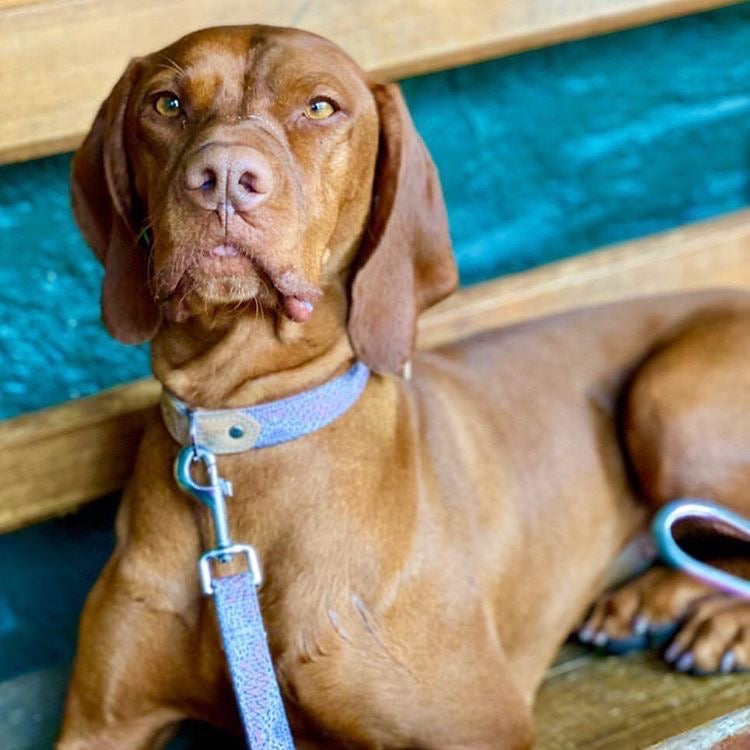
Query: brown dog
[[265, 215]]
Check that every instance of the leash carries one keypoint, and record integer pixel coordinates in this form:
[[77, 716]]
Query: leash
[[240, 621], [205, 434], [715, 515]]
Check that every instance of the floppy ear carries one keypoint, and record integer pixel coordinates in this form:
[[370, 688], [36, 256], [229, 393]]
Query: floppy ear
[[104, 209], [407, 258]]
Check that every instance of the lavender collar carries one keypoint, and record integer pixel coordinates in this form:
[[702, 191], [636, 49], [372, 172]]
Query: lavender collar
[[238, 430]]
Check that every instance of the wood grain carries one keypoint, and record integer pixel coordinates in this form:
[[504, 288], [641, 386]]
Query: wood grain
[[713, 253], [730, 732], [59, 58], [53, 460], [586, 706], [630, 703]]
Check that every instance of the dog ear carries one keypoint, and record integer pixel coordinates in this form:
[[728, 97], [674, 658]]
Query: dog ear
[[103, 207], [407, 260]]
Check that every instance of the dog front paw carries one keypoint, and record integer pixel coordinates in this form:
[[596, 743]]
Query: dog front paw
[[714, 638], [643, 613]]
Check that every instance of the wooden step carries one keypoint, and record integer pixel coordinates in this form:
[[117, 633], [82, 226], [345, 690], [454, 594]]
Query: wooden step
[[631, 702], [730, 732], [59, 58], [587, 702]]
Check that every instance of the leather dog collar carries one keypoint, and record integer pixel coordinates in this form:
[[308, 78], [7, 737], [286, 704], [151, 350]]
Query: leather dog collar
[[271, 423]]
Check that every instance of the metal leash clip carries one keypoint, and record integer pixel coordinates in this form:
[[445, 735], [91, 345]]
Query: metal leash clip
[[213, 496]]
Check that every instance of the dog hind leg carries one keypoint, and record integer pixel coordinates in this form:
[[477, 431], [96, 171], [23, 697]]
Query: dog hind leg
[[687, 430]]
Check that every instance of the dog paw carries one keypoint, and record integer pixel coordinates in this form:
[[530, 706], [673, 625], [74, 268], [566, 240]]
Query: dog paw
[[714, 638], [643, 613]]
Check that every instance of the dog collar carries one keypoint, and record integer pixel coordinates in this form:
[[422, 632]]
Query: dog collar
[[271, 423]]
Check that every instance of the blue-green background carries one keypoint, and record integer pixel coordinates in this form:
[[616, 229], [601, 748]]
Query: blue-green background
[[542, 155]]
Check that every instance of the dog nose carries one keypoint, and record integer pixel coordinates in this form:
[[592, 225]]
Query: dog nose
[[228, 178]]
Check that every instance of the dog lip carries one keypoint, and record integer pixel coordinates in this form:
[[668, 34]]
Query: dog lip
[[297, 309], [290, 284], [227, 262]]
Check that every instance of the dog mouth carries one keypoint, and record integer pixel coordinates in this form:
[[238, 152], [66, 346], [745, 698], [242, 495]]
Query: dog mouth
[[228, 276]]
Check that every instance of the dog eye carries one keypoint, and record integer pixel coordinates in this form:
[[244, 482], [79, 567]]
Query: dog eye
[[320, 109], [167, 105]]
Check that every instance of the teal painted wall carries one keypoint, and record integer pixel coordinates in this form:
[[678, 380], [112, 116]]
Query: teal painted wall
[[542, 155]]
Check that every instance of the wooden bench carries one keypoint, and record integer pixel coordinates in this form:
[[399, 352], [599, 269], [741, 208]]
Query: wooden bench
[[48, 101]]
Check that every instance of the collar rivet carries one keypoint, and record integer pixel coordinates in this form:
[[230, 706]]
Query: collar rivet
[[236, 431]]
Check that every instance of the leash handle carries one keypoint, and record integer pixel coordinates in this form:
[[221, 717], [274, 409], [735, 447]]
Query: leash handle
[[679, 510]]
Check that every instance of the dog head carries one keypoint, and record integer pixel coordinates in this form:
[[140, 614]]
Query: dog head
[[250, 167]]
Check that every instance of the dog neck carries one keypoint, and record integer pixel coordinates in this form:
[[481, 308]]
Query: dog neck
[[228, 361]]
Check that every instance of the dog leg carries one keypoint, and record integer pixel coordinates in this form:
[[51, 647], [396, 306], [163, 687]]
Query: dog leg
[[136, 670], [687, 429]]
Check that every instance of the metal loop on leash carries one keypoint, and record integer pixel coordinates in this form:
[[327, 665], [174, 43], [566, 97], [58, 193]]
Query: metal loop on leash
[[685, 509], [213, 496], [224, 555]]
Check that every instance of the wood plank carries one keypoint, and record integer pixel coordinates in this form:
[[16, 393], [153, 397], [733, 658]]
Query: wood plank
[[52, 461], [629, 703], [59, 58], [730, 732], [598, 691], [712, 253]]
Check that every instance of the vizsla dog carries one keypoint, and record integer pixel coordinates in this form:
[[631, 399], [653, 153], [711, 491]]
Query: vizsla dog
[[267, 216]]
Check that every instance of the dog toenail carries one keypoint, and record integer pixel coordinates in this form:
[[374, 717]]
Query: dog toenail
[[673, 652], [640, 625], [600, 639], [685, 663], [585, 634], [728, 662]]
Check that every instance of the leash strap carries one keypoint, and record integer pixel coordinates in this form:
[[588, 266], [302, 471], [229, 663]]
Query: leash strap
[[240, 620], [255, 687], [718, 518]]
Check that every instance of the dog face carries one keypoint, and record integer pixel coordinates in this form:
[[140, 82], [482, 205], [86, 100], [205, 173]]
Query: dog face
[[247, 146], [248, 167]]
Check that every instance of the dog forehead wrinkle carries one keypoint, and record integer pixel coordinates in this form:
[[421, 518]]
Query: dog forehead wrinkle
[[254, 77], [290, 63], [270, 57], [215, 82], [209, 90]]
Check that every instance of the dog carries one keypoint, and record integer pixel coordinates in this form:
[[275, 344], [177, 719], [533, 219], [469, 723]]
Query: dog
[[266, 216]]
